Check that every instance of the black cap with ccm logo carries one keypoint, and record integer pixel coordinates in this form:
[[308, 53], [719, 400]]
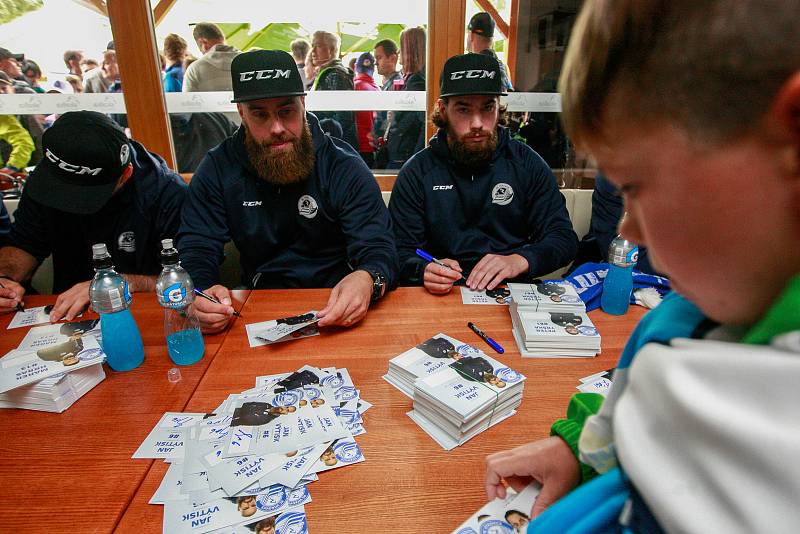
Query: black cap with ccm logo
[[471, 74], [85, 155], [265, 74]]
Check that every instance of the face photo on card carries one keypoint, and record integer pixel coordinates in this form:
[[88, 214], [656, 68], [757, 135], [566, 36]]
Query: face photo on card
[[497, 296]]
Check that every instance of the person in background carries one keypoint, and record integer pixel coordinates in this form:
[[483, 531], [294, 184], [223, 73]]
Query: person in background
[[75, 82], [33, 73], [73, 60], [310, 70], [333, 76], [20, 144], [480, 38], [105, 189], [211, 72], [174, 52], [691, 111], [301, 206], [300, 50], [88, 64], [484, 204], [101, 80], [365, 66], [406, 133], [386, 56], [10, 64]]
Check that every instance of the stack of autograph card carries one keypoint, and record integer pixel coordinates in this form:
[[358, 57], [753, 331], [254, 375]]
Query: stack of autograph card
[[507, 516], [549, 321], [458, 391], [53, 367], [247, 466]]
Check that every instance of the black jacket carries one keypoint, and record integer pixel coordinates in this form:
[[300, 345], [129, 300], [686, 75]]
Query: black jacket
[[337, 77], [406, 135], [132, 224], [512, 206], [308, 234]]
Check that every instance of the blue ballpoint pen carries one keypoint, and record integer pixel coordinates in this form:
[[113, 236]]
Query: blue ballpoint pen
[[491, 342], [427, 257]]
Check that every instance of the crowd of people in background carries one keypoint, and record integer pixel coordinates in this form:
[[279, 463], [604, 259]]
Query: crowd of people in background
[[385, 139]]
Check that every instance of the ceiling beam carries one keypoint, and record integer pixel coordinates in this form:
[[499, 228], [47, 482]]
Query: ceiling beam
[[161, 10], [98, 6]]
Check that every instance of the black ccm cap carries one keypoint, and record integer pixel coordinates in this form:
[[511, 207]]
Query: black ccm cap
[[85, 155], [482, 23], [471, 74], [265, 74]]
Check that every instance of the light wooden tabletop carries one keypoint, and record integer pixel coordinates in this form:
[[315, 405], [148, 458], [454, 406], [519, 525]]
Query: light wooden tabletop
[[408, 483]]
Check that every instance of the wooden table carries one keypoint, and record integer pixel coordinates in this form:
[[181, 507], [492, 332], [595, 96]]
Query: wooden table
[[408, 483], [73, 472]]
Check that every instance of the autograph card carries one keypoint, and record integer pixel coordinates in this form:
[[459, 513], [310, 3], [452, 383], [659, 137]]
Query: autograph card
[[167, 437], [30, 317], [498, 296], [507, 516], [40, 337], [24, 366], [340, 453], [182, 517], [292, 521], [284, 329]]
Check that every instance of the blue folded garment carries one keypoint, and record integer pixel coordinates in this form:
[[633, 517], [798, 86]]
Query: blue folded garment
[[588, 282]]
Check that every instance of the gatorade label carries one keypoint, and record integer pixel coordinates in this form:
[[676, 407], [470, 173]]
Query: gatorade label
[[174, 296], [632, 256]]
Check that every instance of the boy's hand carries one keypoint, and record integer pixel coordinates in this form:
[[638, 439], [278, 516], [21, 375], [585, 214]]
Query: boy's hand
[[548, 461]]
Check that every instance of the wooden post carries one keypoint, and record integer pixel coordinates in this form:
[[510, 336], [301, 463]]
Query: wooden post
[[511, 49], [446, 37], [140, 73]]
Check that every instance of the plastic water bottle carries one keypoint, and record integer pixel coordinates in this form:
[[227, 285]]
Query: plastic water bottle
[[618, 285], [175, 292], [111, 298]]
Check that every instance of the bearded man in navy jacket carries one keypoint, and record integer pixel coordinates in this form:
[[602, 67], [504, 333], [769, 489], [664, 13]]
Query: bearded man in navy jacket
[[302, 208], [486, 205]]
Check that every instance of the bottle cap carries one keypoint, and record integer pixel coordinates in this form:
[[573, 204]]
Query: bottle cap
[[174, 375], [99, 250], [166, 244]]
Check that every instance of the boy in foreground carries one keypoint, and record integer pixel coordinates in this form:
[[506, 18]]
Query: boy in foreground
[[693, 110]]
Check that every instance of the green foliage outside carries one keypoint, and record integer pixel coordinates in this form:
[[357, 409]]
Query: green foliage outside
[[356, 37], [11, 9]]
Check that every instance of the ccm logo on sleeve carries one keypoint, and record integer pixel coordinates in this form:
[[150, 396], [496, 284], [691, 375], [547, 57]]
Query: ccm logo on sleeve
[[442, 187]]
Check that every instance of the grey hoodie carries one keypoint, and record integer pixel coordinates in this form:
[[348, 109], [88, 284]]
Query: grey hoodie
[[212, 72]]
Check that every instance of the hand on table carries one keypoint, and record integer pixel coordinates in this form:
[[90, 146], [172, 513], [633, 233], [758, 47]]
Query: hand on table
[[10, 295], [439, 280], [548, 461], [71, 302], [493, 269], [214, 317], [349, 300]]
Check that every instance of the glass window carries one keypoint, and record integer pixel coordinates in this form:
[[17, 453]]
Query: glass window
[[348, 54]]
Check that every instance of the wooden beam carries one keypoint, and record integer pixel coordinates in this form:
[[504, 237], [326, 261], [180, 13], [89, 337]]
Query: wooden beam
[[446, 23], [98, 6], [161, 10], [489, 8], [511, 48], [140, 73]]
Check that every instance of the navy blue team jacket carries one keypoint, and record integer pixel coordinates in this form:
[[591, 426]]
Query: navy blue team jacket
[[512, 206], [309, 234]]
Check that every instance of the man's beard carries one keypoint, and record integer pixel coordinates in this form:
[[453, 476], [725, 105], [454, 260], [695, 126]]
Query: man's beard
[[281, 167], [469, 156]]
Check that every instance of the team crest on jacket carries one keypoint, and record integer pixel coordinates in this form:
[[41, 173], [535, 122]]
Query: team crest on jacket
[[502, 194], [126, 242], [307, 206]]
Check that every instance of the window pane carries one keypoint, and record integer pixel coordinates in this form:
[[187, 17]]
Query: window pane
[[343, 92]]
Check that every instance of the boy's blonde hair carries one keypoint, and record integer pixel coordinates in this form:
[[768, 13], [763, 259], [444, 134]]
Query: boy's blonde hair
[[711, 68]]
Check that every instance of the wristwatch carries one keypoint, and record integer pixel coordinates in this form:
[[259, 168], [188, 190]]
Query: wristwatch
[[378, 284]]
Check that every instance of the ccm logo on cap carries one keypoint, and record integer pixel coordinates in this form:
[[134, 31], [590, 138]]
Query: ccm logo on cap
[[472, 73], [69, 167], [263, 74]]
